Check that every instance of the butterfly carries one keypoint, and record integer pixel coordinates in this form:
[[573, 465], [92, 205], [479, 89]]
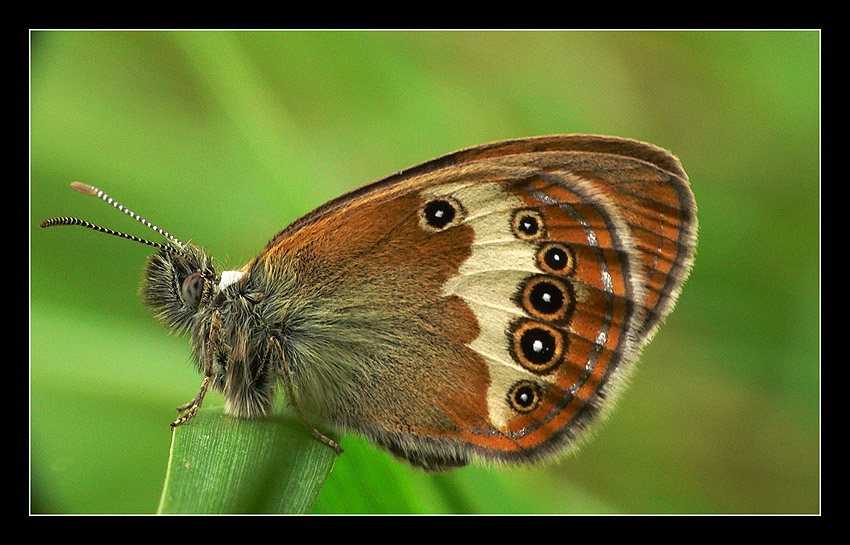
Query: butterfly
[[484, 306]]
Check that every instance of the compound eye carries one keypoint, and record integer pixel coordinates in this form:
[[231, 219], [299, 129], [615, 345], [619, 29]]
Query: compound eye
[[193, 287]]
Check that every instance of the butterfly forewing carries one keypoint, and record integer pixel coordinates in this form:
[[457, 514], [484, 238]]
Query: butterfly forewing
[[489, 302]]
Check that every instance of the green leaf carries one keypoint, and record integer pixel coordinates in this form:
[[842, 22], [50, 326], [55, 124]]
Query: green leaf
[[219, 464]]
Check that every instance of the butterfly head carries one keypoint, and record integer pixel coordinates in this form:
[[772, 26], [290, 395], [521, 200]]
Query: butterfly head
[[179, 281], [180, 286]]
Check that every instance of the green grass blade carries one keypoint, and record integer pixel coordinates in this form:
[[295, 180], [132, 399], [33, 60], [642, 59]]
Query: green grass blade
[[219, 464]]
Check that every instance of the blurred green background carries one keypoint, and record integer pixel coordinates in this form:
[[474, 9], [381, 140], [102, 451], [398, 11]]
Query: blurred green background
[[225, 138]]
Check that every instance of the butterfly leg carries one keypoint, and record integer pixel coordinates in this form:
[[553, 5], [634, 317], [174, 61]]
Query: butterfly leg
[[287, 380], [264, 360], [212, 348]]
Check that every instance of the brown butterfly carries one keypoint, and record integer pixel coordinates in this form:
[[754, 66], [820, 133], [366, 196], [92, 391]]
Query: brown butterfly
[[486, 305]]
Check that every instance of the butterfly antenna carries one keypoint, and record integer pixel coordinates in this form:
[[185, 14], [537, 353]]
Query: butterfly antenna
[[90, 190]]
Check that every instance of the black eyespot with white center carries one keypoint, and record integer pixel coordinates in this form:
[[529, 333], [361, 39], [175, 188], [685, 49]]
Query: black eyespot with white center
[[192, 289], [537, 346], [440, 213], [528, 224], [556, 257], [525, 396], [549, 298], [546, 298]]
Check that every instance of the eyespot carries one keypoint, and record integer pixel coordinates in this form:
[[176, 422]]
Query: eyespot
[[440, 214], [525, 396], [556, 257], [528, 225], [538, 347], [192, 289], [548, 298]]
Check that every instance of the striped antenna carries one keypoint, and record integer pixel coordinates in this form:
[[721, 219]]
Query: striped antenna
[[90, 190], [83, 223]]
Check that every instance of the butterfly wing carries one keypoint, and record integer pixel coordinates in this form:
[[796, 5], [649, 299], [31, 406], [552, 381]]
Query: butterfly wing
[[487, 303]]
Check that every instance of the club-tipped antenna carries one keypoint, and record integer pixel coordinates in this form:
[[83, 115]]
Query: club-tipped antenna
[[90, 190]]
